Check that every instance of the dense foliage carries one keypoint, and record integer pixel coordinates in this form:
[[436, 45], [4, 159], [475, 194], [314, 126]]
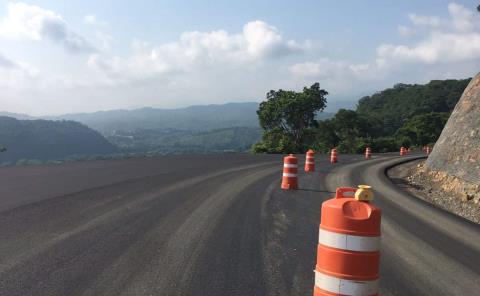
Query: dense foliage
[[287, 118], [395, 106], [405, 115]]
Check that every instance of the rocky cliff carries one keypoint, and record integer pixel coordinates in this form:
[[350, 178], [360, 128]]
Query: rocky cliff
[[455, 160]]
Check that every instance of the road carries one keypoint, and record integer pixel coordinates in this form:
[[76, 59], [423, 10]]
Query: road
[[211, 225]]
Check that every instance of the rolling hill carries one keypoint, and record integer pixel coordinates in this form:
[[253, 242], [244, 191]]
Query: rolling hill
[[49, 140], [193, 118]]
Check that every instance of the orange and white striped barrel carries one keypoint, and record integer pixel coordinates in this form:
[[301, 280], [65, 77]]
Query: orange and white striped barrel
[[368, 153], [348, 254], [402, 151], [427, 150], [310, 161], [290, 172], [333, 156]]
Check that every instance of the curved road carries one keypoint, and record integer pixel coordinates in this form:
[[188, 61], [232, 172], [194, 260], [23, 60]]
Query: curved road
[[211, 225]]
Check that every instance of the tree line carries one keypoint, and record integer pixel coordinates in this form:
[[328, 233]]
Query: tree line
[[404, 115]]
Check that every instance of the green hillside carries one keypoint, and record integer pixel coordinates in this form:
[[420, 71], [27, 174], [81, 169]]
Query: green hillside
[[404, 115], [395, 106], [48, 140]]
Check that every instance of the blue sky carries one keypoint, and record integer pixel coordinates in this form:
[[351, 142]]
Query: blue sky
[[75, 56]]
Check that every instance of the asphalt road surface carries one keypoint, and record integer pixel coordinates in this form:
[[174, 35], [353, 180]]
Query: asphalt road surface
[[211, 225]]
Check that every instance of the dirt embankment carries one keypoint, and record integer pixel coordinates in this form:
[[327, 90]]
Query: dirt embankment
[[447, 192]]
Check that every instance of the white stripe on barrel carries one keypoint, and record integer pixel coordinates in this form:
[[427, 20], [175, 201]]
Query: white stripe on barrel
[[289, 175], [290, 165], [310, 162], [349, 242], [345, 287]]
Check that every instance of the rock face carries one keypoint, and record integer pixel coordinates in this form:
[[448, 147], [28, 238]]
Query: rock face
[[455, 159]]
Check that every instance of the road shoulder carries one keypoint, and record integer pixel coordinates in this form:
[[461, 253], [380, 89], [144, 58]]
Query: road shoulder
[[409, 177]]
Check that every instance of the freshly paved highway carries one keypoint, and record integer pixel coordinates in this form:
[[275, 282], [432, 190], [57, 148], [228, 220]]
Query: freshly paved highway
[[211, 225]]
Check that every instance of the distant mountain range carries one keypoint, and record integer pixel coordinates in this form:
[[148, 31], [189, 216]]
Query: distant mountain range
[[194, 129], [17, 115], [43, 140], [193, 118]]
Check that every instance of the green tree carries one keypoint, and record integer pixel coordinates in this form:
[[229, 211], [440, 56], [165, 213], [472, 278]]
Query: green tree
[[287, 116], [424, 129], [324, 136]]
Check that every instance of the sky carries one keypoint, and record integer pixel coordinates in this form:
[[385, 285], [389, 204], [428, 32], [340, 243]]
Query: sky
[[83, 56]]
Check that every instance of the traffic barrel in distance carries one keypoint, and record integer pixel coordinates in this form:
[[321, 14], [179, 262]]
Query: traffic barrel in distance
[[290, 172], [368, 153], [310, 161], [348, 254], [333, 156], [402, 151], [427, 150]]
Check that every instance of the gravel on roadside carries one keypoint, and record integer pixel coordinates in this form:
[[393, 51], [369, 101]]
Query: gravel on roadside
[[411, 176]]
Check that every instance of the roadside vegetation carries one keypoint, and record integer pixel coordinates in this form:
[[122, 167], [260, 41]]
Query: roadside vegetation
[[404, 115]]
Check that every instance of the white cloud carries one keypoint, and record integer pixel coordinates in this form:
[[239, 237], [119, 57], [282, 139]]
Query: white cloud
[[425, 21], [323, 68], [91, 19], [263, 39], [438, 48], [31, 22], [446, 40], [103, 40], [462, 18], [15, 74], [200, 51]]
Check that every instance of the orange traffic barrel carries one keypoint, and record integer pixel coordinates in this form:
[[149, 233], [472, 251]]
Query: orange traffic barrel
[[368, 153], [333, 156], [290, 172], [402, 151], [310, 161], [427, 150], [348, 253]]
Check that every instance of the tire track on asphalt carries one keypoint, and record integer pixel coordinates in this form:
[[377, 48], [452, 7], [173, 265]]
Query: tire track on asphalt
[[178, 255], [101, 228]]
